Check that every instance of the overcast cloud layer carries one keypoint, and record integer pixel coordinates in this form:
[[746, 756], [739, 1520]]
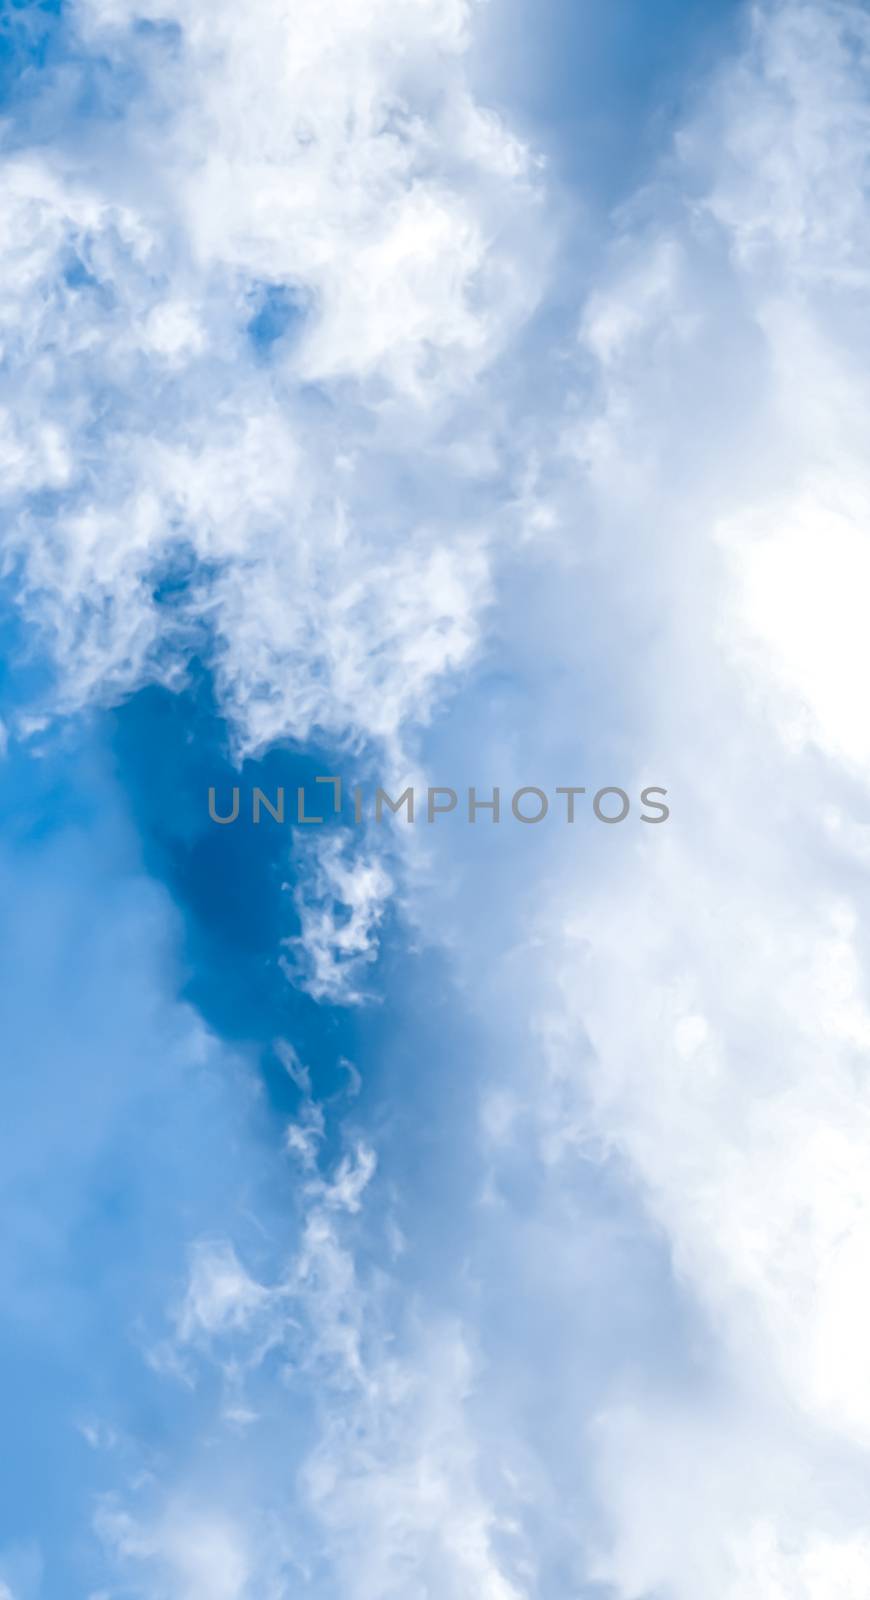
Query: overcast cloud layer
[[452, 1211]]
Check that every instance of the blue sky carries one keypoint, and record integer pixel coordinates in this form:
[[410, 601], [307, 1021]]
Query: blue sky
[[434, 394]]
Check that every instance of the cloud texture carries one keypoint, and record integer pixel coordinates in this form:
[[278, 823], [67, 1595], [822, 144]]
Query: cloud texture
[[319, 391]]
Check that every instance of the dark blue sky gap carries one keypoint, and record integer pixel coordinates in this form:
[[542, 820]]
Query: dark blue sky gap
[[227, 881]]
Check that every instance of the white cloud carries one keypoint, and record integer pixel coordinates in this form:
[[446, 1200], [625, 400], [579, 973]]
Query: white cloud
[[336, 155], [380, 1489], [702, 1524], [756, 1111], [341, 899], [195, 1555], [700, 994], [220, 1296]]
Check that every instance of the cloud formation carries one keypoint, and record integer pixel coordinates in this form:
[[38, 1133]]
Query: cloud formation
[[250, 312], [716, 975], [273, 314]]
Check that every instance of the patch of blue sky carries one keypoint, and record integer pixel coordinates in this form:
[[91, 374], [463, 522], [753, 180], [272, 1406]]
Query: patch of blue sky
[[127, 1133], [27, 28], [56, 90], [143, 1103], [234, 883], [599, 84], [126, 1130], [277, 312]]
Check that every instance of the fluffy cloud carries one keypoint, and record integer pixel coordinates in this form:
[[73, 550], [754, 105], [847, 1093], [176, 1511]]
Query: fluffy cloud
[[751, 1022], [707, 1013], [251, 316]]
